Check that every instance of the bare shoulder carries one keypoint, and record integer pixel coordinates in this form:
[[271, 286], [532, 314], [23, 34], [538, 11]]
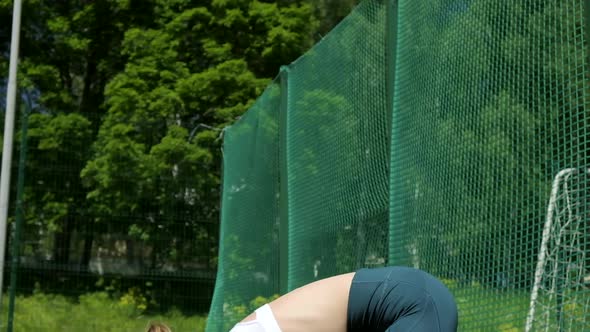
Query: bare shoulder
[[250, 317], [319, 306]]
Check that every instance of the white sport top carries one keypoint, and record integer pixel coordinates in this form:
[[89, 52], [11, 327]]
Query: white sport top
[[265, 322]]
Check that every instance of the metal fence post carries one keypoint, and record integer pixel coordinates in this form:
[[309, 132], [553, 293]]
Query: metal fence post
[[19, 211], [283, 188], [390, 56], [8, 134]]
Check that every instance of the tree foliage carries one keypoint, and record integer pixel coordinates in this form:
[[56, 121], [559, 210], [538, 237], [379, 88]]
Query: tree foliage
[[130, 99]]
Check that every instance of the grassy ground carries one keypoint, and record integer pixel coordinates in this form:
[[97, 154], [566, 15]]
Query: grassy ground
[[505, 310], [94, 312], [480, 309], [483, 309]]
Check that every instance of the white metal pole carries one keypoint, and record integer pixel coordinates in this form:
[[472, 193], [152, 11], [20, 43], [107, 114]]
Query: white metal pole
[[8, 134], [541, 261]]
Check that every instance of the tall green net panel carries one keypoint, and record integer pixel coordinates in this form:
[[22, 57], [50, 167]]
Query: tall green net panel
[[446, 135], [248, 266], [490, 158], [337, 151]]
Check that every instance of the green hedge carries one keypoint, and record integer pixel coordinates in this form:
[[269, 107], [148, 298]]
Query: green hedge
[[93, 312]]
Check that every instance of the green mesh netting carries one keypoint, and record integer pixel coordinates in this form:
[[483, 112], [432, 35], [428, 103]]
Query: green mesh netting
[[448, 135], [337, 144], [491, 103], [248, 264]]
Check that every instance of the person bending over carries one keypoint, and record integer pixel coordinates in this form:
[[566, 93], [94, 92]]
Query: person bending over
[[390, 299]]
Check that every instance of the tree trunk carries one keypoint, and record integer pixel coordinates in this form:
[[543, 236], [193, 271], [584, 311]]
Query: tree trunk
[[87, 253], [154, 255], [61, 247], [130, 252], [89, 102]]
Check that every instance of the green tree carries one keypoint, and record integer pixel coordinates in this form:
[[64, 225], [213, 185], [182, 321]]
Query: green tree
[[128, 115], [331, 12], [197, 70], [68, 53]]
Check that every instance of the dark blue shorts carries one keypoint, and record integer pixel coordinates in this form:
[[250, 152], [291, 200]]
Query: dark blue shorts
[[400, 299]]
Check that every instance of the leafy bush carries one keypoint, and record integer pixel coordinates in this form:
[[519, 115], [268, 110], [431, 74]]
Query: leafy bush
[[94, 312]]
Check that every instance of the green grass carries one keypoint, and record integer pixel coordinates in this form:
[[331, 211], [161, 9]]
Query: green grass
[[92, 313], [482, 309], [505, 310]]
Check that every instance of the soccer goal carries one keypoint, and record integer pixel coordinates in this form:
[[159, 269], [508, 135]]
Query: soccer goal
[[560, 298]]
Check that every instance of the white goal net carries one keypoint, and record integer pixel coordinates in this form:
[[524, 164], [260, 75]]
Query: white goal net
[[560, 298]]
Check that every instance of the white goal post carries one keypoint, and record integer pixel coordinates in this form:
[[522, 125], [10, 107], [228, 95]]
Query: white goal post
[[561, 258]]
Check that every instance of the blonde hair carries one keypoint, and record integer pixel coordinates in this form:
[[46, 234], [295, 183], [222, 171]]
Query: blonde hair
[[158, 327]]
